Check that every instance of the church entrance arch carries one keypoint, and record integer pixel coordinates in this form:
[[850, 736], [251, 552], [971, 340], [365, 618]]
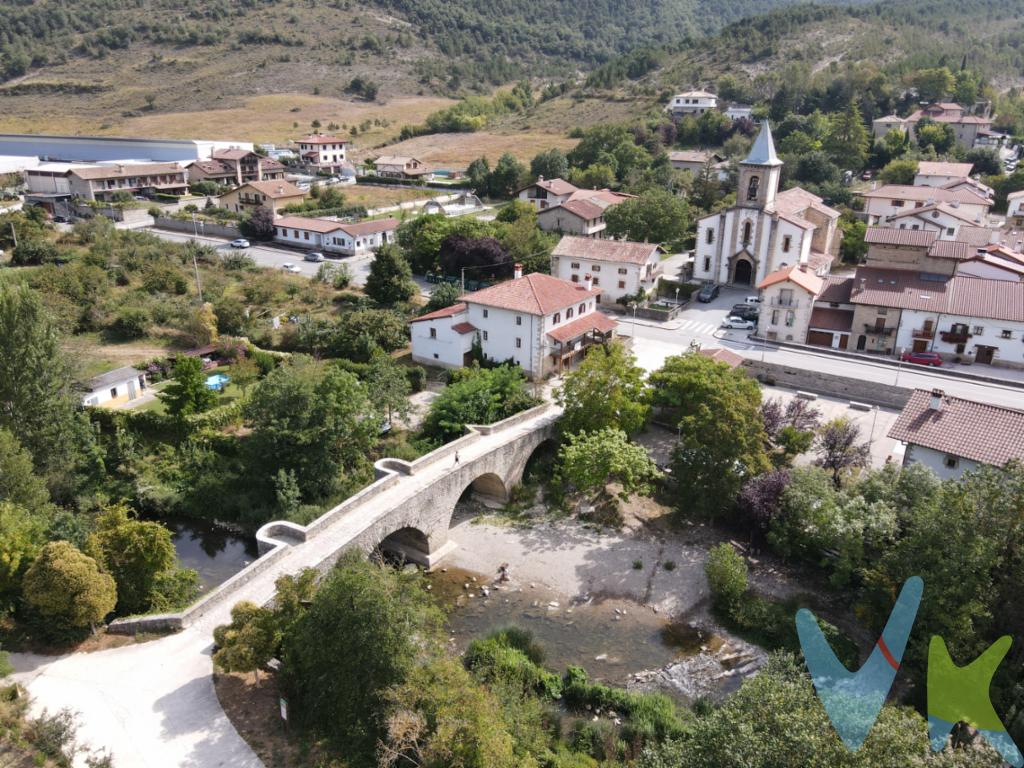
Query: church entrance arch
[[743, 272]]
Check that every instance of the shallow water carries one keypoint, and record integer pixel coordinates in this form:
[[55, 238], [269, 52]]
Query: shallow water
[[216, 552]]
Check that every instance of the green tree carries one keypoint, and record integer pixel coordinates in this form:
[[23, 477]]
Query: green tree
[[18, 482], [245, 373], [606, 390], [939, 136], [839, 448], [899, 172], [248, 642], [932, 84], [390, 279], [478, 172], [361, 331], [134, 552], [848, 141], [313, 419], [721, 432], [366, 630], [443, 296], [657, 216], [187, 394], [590, 460], [852, 247], [388, 386], [34, 252], [476, 396], [506, 178], [596, 176], [68, 588], [550, 164], [22, 534], [726, 572], [516, 210]]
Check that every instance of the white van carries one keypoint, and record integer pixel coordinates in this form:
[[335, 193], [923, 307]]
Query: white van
[[752, 300]]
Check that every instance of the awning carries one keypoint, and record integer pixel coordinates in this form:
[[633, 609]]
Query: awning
[[595, 321]]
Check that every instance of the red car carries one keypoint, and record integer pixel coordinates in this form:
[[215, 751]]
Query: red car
[[922, 358]]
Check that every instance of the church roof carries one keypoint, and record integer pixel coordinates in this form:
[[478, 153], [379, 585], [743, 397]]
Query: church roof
[[763, 151]]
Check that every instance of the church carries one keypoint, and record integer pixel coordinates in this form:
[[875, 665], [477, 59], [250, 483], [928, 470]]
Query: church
[[766, 230]]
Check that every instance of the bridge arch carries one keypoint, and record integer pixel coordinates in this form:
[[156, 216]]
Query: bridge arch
[[410, 544]]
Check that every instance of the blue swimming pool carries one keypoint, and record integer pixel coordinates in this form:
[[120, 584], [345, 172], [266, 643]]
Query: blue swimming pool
[[217, 381]]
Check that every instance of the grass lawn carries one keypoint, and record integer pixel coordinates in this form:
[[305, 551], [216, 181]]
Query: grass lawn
[[95, 356], [231, 393], [378, 197]]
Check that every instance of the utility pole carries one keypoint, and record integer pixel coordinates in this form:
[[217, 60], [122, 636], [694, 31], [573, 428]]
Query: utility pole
[[195, 262], [14, 235]]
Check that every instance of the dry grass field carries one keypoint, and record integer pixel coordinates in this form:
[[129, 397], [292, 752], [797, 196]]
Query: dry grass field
[[457, 150], [377, 197]]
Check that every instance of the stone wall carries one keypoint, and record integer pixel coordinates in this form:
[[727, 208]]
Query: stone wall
[[829, 384], [208, 229]]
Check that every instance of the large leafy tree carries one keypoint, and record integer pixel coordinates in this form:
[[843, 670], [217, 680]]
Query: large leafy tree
[[590, 460], [388, 386], [248, 642], [18, 482], [361, 331], [606, 390], [721, 431], [506, 177], [657, 216], [551, 164], [476, 396], [37, 402], [840, 449], [390, 279], [366, 630], [312, 419], [68, 588], [135, 552], [22, 534], [848, 141], [187, 394]]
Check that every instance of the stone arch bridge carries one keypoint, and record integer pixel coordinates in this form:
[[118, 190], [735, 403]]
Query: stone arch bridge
[[407, 509]]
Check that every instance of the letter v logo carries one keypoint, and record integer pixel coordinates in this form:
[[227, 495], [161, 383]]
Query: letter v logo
[[854, 699]]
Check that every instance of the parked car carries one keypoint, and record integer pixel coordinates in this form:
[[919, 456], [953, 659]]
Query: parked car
[[61, 220], [922, 358], [314, 256], [707, 293], [738, 323], [866, 176], [240, 243], [289, 267], [753, 301], [745, 311]]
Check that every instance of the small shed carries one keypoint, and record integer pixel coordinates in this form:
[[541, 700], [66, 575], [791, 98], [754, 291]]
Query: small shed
[[115, 388]]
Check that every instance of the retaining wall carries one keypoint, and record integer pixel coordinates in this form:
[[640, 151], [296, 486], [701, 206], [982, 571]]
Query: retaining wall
[[180, 225], [829, 384]]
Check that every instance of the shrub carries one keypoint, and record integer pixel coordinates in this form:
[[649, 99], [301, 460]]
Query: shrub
[[68, 588], [131, 323], [417, 377], [727, 575]]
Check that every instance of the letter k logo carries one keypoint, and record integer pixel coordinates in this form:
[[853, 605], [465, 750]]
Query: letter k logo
[[854, 699]]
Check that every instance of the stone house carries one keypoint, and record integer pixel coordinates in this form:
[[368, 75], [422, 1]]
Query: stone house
[[273, 195], [619, 267]]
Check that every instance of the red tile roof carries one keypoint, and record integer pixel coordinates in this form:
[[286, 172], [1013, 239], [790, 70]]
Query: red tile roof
[[437, 314], [463, 328], [806, 279], [946, 208], [963, 295], [306, 223], [554, 186], [534, 294], [917, 238], [230, 154], [952, 249], [726, 356], [938, 194], [595, 321], [585, 209], [831, 319], [837, 289], [981, 432], [929, 168], [275, 189], [125, 170], [618, 251], [796, 200], [370, 227], [322, 139]]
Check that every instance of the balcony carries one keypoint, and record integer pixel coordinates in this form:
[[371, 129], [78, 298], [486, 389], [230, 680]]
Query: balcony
[[870, 329], [923, 333], [954, 337]]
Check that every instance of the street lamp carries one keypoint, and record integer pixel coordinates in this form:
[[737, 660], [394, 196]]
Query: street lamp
[[633, 332], [899, 367]]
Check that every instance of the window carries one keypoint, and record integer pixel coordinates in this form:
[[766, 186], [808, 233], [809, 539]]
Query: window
[[753, 187], [786, 242], [305, 235], [433, 333], [775, 317], [485, 313], [596, 281], [978, 330], [622, 283], [883, 310], [575, 265], [575, 278], [596, 268], [582, 308], [897, 203], [950, 231], [951, 461], [623, 271], [485, 335], [1006, 335], [568, 313], [113, 392], [557, 318], [748, 229], [707, 263], [709, 236], [519, 343], [790, 318], [519, 319]]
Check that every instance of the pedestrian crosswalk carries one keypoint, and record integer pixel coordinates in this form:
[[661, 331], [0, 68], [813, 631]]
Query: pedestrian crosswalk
[[697, 328]]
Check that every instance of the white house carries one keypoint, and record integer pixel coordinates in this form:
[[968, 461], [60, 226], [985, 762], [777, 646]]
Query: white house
[[538, 321], [765, 230], [885, 202], [939, 174], [739, 112], [787, 298], [882, 125], [950, 435], [334, 237], [115, 388], [692, 103], [944, 219], [1015, 208], [619, 267], [547, 193], [323, 152], [581, 213], [694, 160]]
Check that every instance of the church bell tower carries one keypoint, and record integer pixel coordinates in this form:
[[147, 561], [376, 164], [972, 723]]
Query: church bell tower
[[759, 172]]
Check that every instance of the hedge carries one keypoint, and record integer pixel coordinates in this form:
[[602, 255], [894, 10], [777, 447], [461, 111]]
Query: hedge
[[385, 180]]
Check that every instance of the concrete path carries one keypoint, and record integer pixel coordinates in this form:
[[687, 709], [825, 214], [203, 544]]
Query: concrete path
[[153, 705]]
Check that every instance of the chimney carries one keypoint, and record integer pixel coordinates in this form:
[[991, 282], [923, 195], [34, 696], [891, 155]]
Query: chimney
[[540, 178], [588, 282], [280, 190], [803, 267], [517, 271], [935, 404]]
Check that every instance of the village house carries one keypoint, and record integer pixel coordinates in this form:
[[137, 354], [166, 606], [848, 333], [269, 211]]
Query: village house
[[692, 103], [621, 268], [739, 112], [330, 236], [546, 193], [966, 127], [694, 160], [104, 182], [766, 230], [880, 126], [951, 435], [399, 167], [234, 167], [582, 213], [787, 298], [542, 323], [114, 388], [1015, 208], [273, 195], [938, 174], [323, 153], [892, 204]]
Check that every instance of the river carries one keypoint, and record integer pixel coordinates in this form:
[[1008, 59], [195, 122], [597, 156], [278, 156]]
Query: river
[[216, 552]]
